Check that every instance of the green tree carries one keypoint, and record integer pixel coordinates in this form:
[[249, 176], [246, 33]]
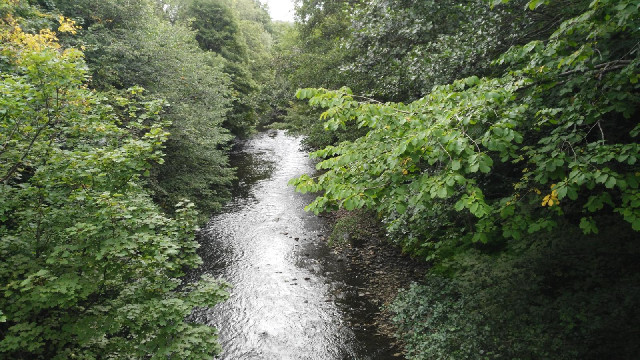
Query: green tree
[[90, 265], [438, 154], [310, 54], [398, 50], [507, 177], [257, 33], [217, 30], [133, 43], [401, 49]]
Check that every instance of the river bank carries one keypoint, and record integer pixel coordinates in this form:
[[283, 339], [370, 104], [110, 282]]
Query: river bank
[[359, 240]]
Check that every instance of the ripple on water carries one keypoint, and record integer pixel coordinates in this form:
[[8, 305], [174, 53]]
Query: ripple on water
[[283, 302]]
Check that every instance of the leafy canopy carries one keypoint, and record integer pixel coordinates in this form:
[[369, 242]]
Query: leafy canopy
[[494, 158], [91, 266]]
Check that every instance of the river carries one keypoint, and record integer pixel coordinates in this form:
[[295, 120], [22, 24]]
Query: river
[[292, 297]]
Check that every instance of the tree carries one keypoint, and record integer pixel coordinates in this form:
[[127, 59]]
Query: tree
[[310, 54], [441, 150], [133, 43], [217, 30], [398, 50], [257, 33], [401, 49], [90, 266], [510, 175]]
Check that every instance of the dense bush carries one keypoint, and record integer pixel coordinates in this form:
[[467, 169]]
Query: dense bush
[[565, 296], [90, 265], [521, 187], [200, 56], [494, 158], [401, 49]]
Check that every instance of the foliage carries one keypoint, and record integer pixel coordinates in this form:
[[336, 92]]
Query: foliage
[[487, 153], [563, 297], [238, 31], [131, 43], [257, 32], [401, 49], [302, 119], [397, 50], [278, 88], [195, 86], [217, 29], [522, 187], [309, 54], [90, 266], [321, 26]]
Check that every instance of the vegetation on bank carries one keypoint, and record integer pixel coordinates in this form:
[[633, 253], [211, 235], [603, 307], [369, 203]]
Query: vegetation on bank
[[112, 114], [204, 57], [519, 180], [497, 140], [91, 266]]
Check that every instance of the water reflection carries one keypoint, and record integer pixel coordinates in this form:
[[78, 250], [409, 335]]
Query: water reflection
[[290, 296]]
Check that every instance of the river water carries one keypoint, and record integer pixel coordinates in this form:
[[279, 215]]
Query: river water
[[292, 298]]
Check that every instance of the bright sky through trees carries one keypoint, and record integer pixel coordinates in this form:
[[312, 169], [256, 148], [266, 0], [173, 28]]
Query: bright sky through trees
[[280, 10]]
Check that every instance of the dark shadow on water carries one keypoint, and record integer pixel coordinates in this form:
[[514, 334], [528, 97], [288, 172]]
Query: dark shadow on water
[[250, 168]]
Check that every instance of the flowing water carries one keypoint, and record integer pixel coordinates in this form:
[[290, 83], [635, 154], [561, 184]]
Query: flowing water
[[292, 298]]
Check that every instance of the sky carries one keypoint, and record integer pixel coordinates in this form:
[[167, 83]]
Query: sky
[[280, 9]]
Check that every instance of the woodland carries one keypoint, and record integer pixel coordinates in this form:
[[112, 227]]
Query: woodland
[[496, 140]]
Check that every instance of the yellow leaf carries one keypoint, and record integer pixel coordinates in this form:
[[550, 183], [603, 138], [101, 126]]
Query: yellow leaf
[[66, 25]]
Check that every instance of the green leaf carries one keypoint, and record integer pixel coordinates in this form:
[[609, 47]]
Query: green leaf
[[533, 4], [588, 225], [401, 208], [455, 165], [611, 182]]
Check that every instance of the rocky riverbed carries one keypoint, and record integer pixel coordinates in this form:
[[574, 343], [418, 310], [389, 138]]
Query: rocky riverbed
[[382, 267]]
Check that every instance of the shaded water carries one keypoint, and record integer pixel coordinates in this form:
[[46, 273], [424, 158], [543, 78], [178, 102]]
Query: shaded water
[[291, 298]]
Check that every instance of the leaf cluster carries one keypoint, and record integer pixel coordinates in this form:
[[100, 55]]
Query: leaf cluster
[[557, 128], [522, 187], [134, 44], [562, 297], [91, 266]]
